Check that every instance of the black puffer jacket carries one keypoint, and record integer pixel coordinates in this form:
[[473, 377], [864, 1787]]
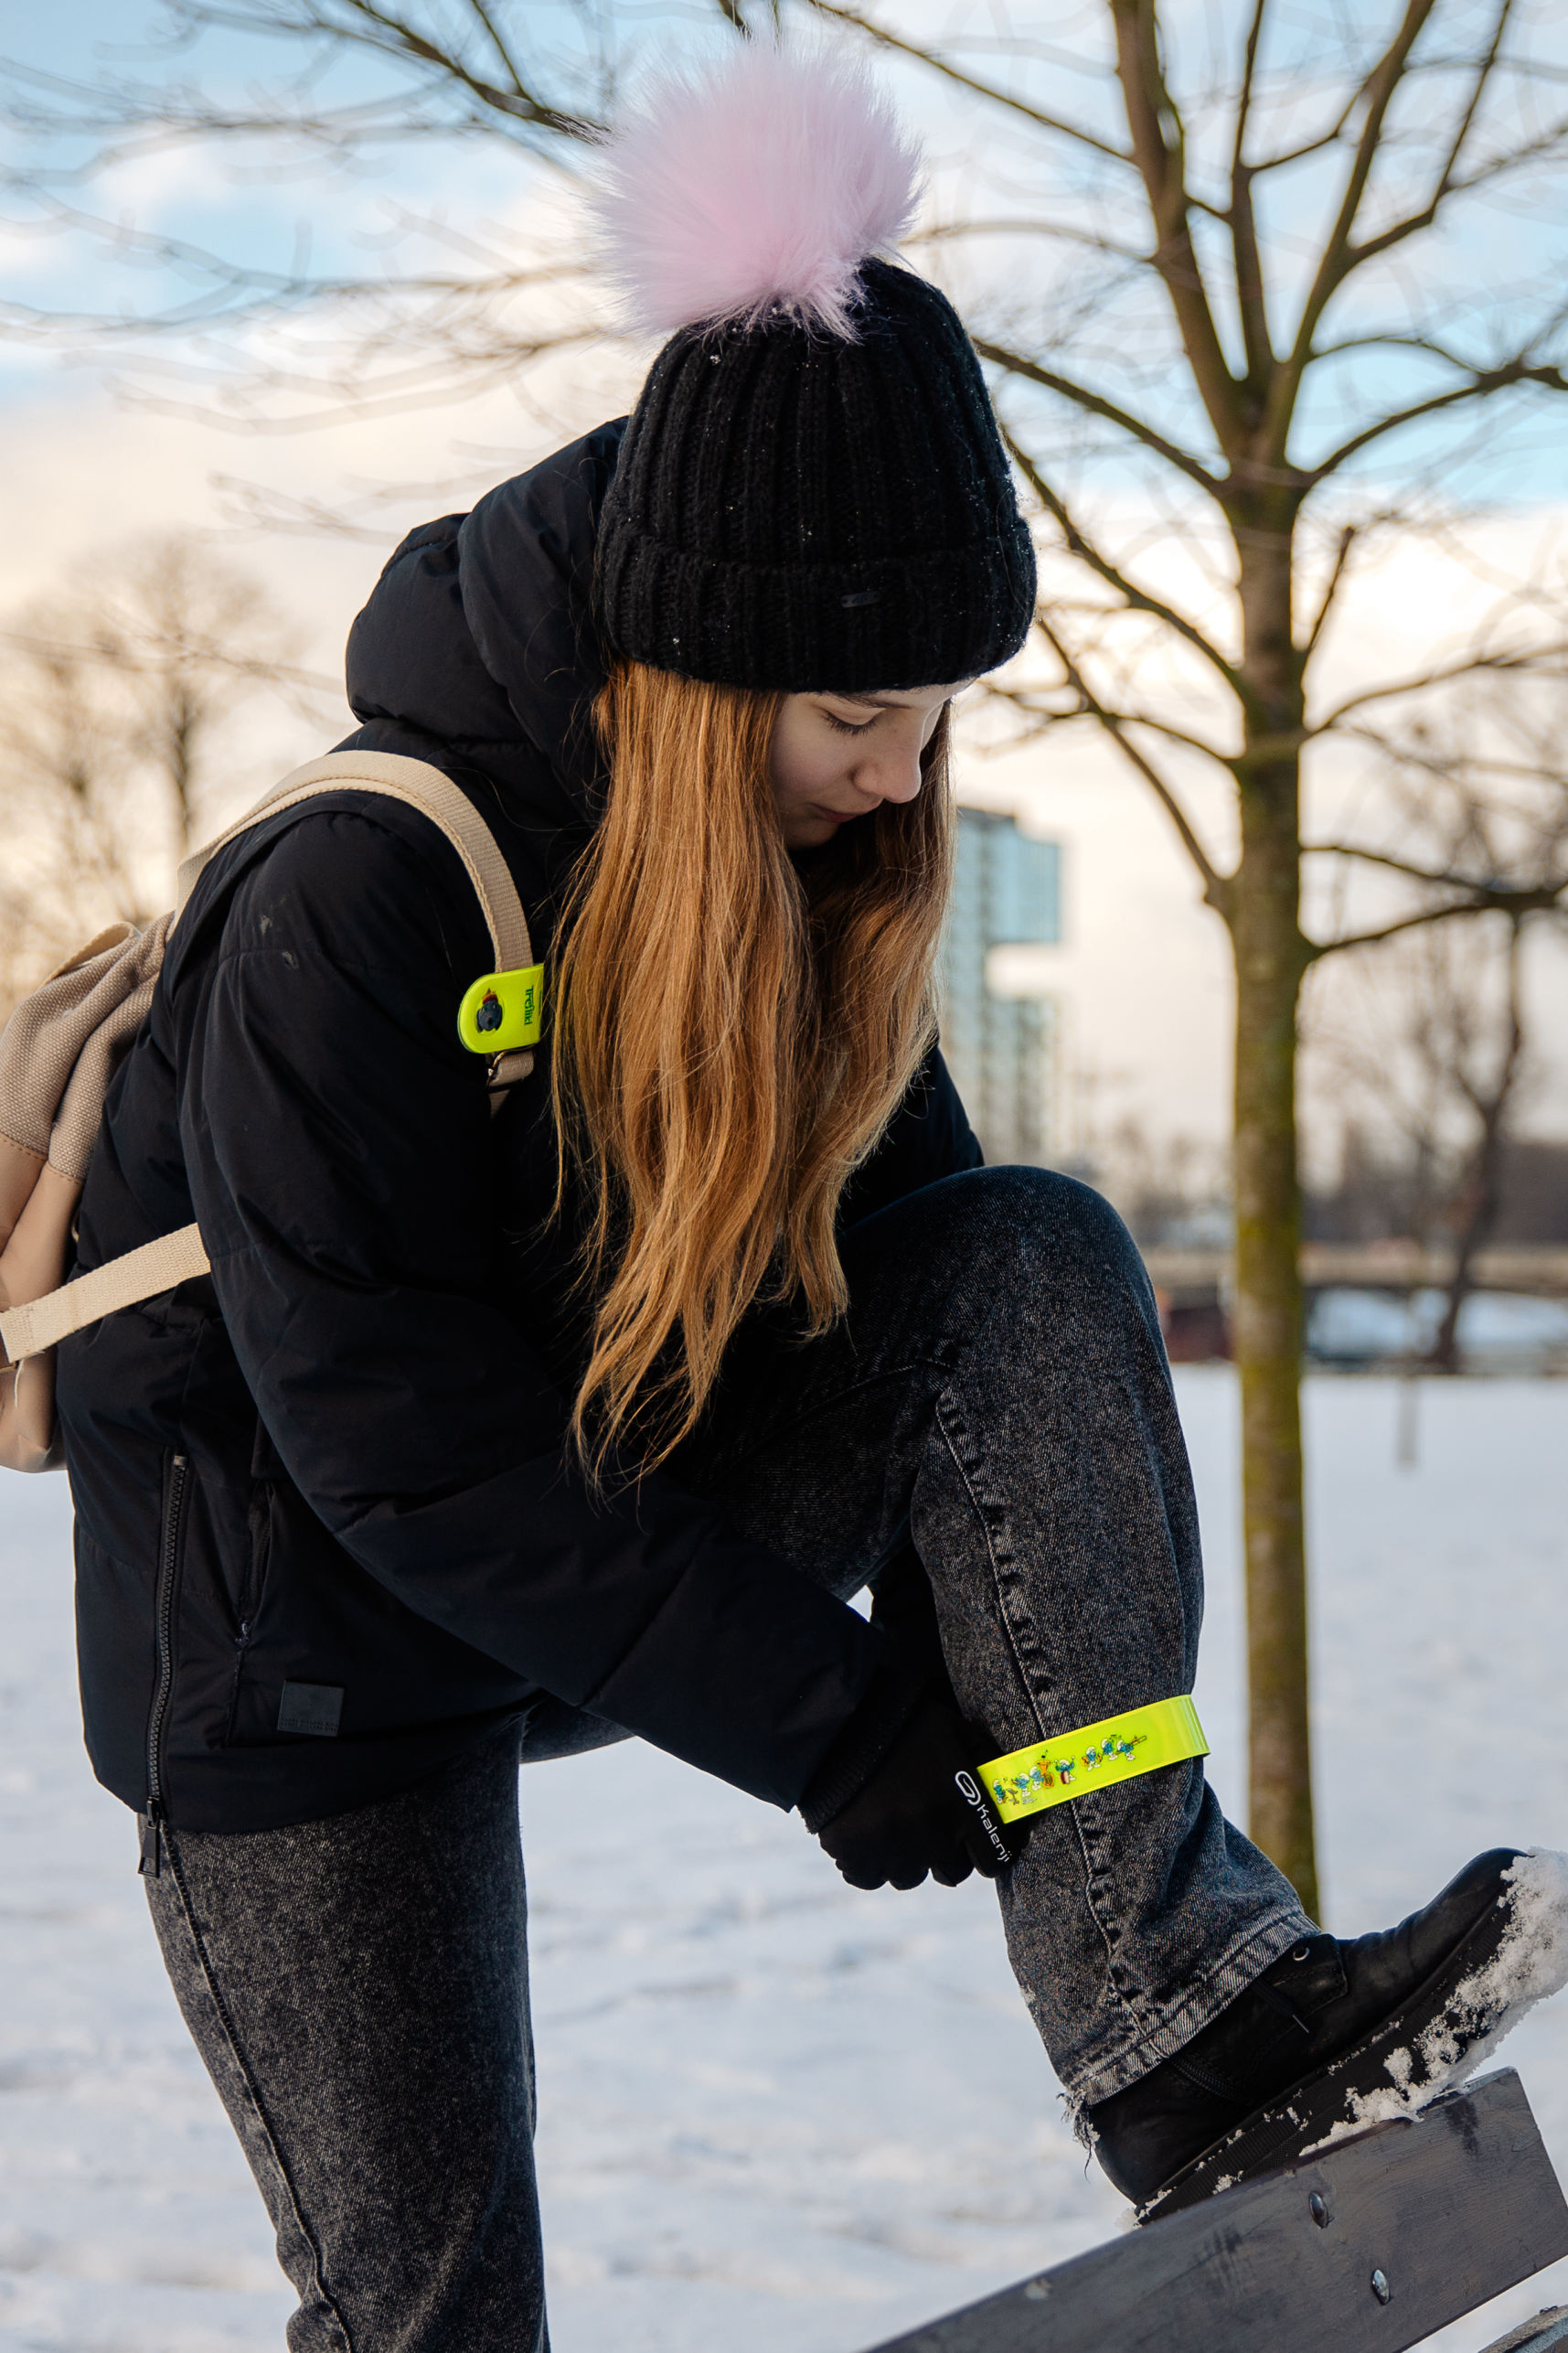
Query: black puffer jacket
[[325, 1534]]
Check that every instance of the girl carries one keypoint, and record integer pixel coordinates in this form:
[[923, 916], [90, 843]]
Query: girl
[[500, 1437]]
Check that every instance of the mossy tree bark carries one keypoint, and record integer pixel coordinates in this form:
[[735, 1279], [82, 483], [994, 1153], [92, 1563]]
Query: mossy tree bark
[[1262, 906], [1267, 1328]]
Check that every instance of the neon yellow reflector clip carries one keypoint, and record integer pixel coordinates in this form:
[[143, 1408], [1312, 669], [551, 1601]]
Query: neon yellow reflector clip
[[1053, 1771], [502, 1011]]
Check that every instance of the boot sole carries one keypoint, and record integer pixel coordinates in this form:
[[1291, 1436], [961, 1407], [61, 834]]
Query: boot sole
[[1439, 2036]]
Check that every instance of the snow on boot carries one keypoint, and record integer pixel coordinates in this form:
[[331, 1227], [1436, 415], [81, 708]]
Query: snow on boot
[[1337, 2036]]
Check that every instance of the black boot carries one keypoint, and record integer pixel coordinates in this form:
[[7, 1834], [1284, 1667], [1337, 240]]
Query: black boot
[[1336, 2035]]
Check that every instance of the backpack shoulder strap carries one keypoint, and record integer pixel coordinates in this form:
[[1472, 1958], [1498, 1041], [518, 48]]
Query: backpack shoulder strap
[[33, 1325], [28, 1328], [421, 787]]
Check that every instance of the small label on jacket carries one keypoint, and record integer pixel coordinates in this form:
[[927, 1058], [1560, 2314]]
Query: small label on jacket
[[313, 1707]]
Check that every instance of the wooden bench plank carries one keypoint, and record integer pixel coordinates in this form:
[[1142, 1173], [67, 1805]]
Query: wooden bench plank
[[1548, 2328], [1443, 2214]]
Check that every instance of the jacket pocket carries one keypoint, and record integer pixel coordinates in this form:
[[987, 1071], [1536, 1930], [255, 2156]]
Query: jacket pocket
[[253, 1585]]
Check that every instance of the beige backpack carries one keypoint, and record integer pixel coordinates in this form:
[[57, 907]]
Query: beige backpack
[[63, 1045]]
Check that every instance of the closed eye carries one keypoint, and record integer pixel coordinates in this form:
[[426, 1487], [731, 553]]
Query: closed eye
[[850, 727]]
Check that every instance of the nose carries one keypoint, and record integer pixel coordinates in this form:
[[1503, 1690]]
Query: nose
[[895, 774]]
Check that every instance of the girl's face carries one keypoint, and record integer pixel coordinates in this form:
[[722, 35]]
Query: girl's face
[[835, 756]]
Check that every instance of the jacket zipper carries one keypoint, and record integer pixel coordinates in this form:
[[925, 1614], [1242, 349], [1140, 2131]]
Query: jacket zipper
[[164, 1621]]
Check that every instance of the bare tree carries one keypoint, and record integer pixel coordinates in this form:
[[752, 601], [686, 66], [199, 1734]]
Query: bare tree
[[1435, 1049], [66, 768], [1448, 1036], [115, 720], [1242, 357], [1432, 1063]]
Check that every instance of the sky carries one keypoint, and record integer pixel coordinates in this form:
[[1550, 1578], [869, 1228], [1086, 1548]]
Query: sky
[[103, 446]]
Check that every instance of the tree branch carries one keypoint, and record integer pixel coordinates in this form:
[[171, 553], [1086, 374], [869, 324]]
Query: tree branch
[[508, 63], [1314, 146], [1067, 233], [1159, 150], [1482, 890], [1217, 887], [1018, 699], [1252, 298], [1466, 121], [1136, 598], [1483, 383], [1079, 394], [939, 64], [247, 287], [393, 35], [1334, 262], [1505, 665], [1521, 903], [1411, 224], [1342, 558]]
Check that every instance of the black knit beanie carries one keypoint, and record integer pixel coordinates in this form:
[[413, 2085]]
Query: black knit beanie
[[812, 491]]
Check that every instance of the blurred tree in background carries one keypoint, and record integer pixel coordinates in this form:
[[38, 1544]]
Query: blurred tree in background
[[1262, 287], [1425, 1039], [117, 755]]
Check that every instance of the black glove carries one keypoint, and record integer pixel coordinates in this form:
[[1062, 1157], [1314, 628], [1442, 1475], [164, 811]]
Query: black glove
[[920, 1808]]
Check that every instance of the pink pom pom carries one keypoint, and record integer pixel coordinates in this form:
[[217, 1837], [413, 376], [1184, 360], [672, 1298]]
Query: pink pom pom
[[762, 185]]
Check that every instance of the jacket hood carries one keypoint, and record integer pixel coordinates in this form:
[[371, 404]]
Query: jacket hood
[[479, 636]]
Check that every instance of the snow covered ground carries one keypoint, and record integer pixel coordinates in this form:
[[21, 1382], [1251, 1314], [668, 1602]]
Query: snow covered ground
[[774, 2112]]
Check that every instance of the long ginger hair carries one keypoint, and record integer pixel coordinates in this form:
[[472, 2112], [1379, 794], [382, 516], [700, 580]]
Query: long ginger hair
[[732, 1033]]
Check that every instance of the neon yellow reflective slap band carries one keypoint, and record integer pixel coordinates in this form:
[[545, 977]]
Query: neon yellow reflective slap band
[[502, 1011], [1054, 1772]]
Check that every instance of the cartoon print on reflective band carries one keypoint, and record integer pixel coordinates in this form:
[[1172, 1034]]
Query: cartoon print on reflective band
[[1045, 1774]]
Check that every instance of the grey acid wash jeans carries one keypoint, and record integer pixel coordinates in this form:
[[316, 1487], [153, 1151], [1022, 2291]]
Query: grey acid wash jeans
[[998, 1397]]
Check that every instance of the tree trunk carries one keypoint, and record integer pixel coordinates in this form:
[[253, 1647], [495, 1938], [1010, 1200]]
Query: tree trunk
[[1271, 958], [1483, 1200]]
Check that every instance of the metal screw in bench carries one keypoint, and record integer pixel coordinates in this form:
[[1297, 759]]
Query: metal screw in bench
[[1318, 2207], [1380, 2287]]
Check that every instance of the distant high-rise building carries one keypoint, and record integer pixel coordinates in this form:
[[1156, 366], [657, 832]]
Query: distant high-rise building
[[1002, 1050]]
